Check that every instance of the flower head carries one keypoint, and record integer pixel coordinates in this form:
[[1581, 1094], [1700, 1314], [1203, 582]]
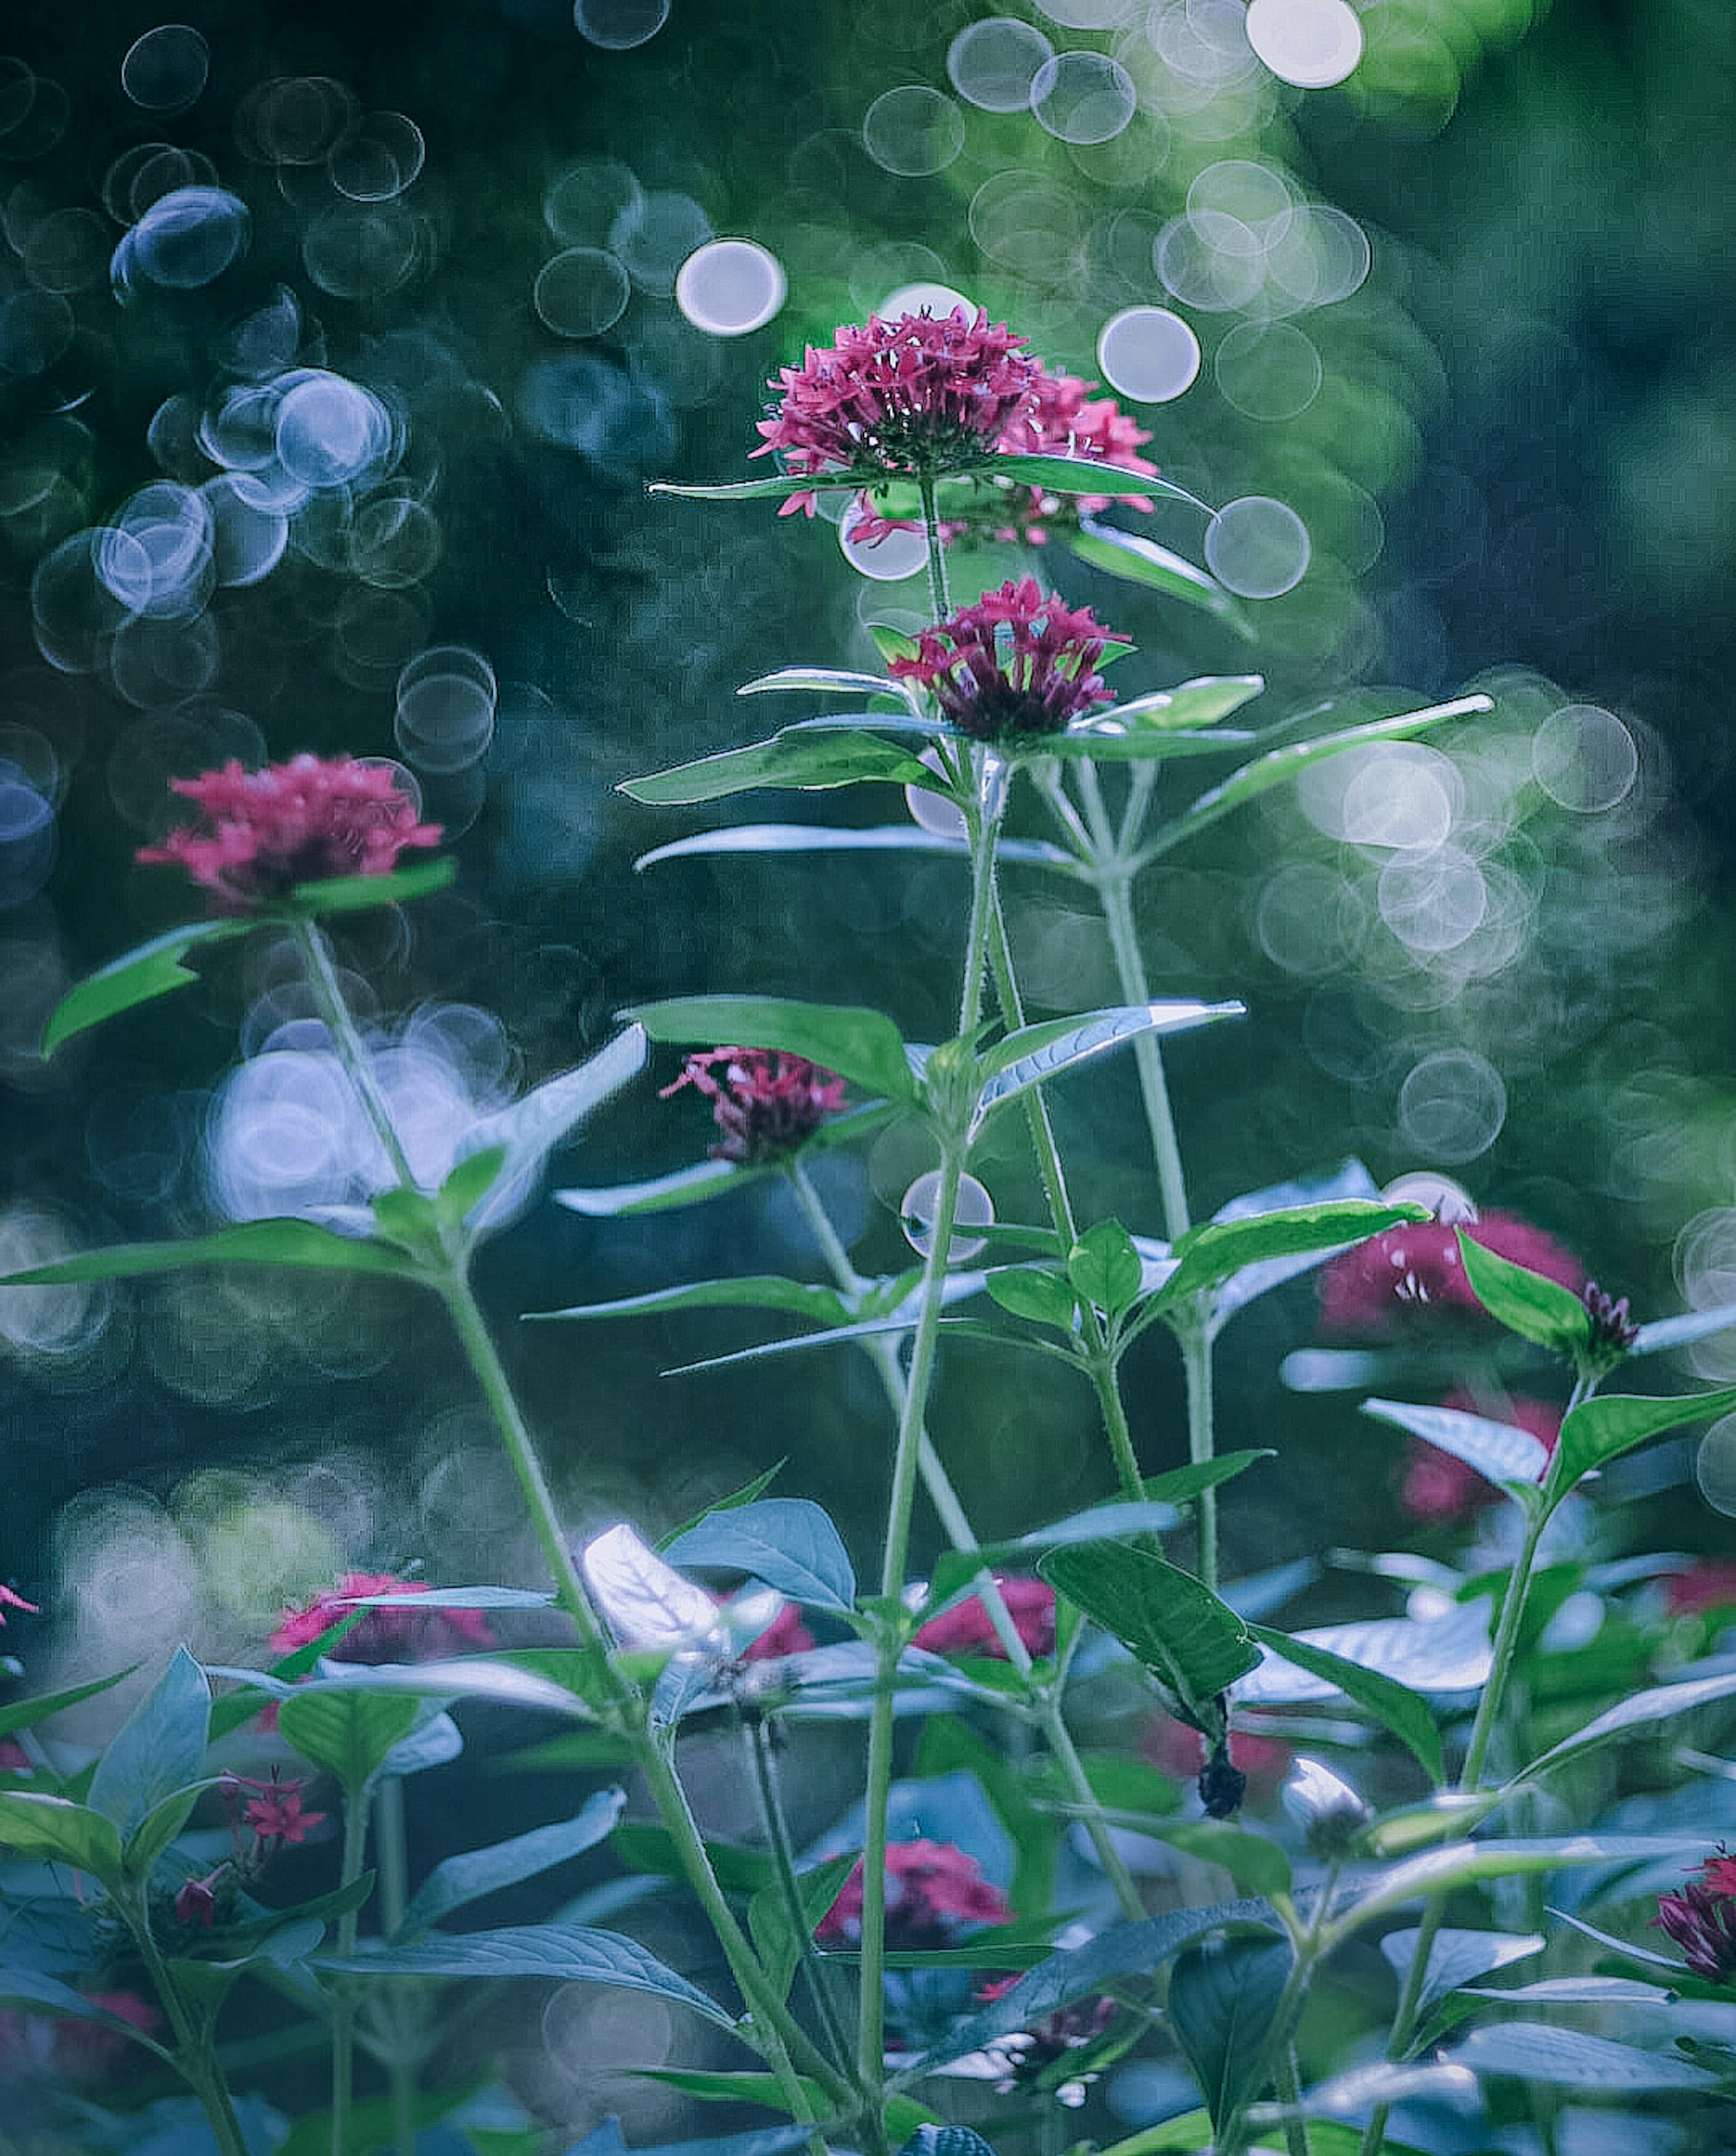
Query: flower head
[[934, 1891], [266, 831], [763, 1102], [196, 1903], [1701, 1920], [1409, 1272], [1437, 1488], [1613, 1331], [916, 397], [1015, 662], [275, 1812], [785, 1634], [383, 1636], [965, 1629], [1029, 2051]]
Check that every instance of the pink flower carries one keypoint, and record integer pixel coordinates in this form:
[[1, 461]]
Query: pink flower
[[765, 1102], [85, 2051], [383, 1636], [266, 831], [965, 1629], [1708, 1585], [1015, 662], [275, 1813], [785, 1634], [1178, 1751], [196, 1904], [1701, 1920], [9, 1600], [1050, 2037], [14, 1759], [1404, 1272], [918, 396], [933, 1890], [1436, 1489]]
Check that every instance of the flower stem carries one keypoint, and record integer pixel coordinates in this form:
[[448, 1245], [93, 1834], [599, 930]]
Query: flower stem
[[350, 1048], [357, 1802], [389, 1842], [195, 2058], [938, 598], [783, 1857]]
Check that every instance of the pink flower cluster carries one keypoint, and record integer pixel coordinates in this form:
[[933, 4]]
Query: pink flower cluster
[[763, 1102], [383, 1636], [275, 1813], [918, 396], [1437, 1489], [965, 1629], [1701, 1919], [785, 1634], [1017, 661], [300, 821], [1373, 1289], [933, 1890]]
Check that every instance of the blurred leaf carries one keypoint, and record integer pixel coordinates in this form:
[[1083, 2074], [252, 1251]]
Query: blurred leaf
[[25, 1714], [1222, 2000], [1544, 2054], [949, 1746], [1137, 560], [756, 1485], [1394, 1706], [1500, 1451], [455, 1597], [1178, 1629], [1060, 475], [861, 1045], [158, 1752], [456, 1881], [302, 1246], [37, 1994], [956, 1570], [348, 1732], [1444, 1654], [1278, 765], [1538, 1310], [824, 679], [1256, 1864], [1181, 1484], [1643, 1711], [644, 1847], [55, 1829], [1440, 1871], [530, 1129], [574, 1953], [790, 759], [768, 1917], [826, 837], [1601, 1430], [1680, 1331], [810, 1299], [1456, 1956], [787, 1542], [1103, 1268], [354, 894], [139, 976], [1033, 1292], [892, 643], [1084, 742], [713, 1178], [1037, 1052]]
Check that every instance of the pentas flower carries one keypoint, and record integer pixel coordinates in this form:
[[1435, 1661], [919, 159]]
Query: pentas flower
[[1017, 661], [763, 1102], [913, 397], [300, 821], [1180, 1752], [72, 2050], [1613, 1331], [965, 1629], [383, 1636], [1708, 1585], [1029, 2051], [1404, 1272], [275, 1811], [785, 1634], [1437, 1490], [934, 1891], [1701, 1919]]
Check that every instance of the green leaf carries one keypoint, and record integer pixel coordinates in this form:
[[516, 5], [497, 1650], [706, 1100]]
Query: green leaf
[[1195, 1643], [1223, 1997], [1279, 766], [346, 1732], [1137, 560], [1035, 1293], [1180, 1484], [38, 1993], [1103, 1268], [1447, 1653], [158, 1752], [1643, 1711], [355, 894], [1538, 1310], [1499, 1451], [956, 1570], [1394, 1706], [642, 1847], [141, 976], [768, 1917], [530, 1129], [1037, 1052], [789, 1544], [861, 1045], [1456, 1956], [301, 1245], [25, 1714], [828, 681], [61, 1831], [1209, 1254], [766, 489], [1087, 741], [750, 2087], [712, 1178], [1060, 475], [1201, 702], [1601, 1430], [1440, 1871], [810, 1299], [1545, 2054], [756, 1485], [790, 759], [1256, 1865], [457, 1880], [828, 838], [574, 1954]]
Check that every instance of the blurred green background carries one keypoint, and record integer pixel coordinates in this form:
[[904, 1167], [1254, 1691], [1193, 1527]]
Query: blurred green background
[[391, 293]]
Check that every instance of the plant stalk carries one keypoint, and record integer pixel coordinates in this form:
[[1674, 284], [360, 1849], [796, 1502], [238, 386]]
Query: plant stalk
[[357, 1802], [194, 2058], [783, 1857], [389, 1843]]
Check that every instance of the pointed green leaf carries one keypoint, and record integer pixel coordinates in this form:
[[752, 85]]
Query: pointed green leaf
[[712, 1178], [1137, 560], [1061, 474], [645, 1848], [1394, 1706], [574, 1954], [456, 1881], [809, 1299], [1103, 1268], [1545, 2054], [1278, 765], [1500, 1451], [830, 839], [1209, 1254], [1680, 1331], [470, 1182], [1439, 1872], [861, 1045], [1223, 1997], [355, 894], [789, 1544], [139, 976], [1539, 1310], [1085, 742], [301, 1245], [349, 1732], [60, 1831], [766, 489], [1601, 1430], [1183, 1484], [1447, 1653], [768, 1916], [1257, 1865], [158, 1752], [1199, 702], [827, 679], [1035, 1053], [1643, 1711], [528, 1131], [1195, 1643], [1456, 1956], [25, 1714], [790, 759], [1035, 1293]]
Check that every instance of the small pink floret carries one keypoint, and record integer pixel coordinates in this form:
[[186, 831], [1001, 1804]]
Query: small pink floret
[[764, 1102], [933, 1890], [300, 821], [383, 1636], [1015, 661]]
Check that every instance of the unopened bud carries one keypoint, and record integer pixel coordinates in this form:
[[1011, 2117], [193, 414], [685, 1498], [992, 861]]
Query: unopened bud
[[1329, 1811]]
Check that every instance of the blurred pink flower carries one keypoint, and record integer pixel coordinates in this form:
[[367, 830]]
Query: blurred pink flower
[[383, 1636], [1405, 1272], [1706, 1585], [1178, 1751], [763, 1102], [266, 831], [785, 1634], [965, 1629], [1015, 661], [933, 1890], [1435, 1489]]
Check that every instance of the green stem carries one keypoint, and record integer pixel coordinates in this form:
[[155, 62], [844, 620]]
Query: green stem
[[351, 1050], [938, 598], [783, 1857], [1196, 1342], [1230, 2138], [195, 2059], [356, 1804], [389, 1843]]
